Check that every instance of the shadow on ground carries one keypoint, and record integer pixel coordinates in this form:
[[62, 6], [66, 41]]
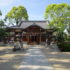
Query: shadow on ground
[[58, 59], [8, 58]]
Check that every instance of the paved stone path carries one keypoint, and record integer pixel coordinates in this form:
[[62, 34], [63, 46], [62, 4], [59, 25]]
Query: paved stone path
[[35, 60]]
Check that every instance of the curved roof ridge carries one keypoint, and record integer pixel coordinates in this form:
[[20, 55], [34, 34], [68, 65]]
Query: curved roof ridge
[[25, 24]]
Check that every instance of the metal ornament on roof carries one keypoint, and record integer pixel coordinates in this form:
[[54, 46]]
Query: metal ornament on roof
[[17, 35], [18, 30], [24, 33], [34, 23], [12, 33]]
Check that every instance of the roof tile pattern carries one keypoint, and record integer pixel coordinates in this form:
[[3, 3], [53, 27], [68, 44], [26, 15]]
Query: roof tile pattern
[[42, 24]]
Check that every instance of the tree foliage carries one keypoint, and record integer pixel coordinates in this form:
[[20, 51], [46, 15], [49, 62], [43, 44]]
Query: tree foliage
[[17, 14], [59, 14], [0, 13], [3, 32], [2, 23]]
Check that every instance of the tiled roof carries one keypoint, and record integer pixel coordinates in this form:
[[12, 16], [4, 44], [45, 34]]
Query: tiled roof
[[25, 24]]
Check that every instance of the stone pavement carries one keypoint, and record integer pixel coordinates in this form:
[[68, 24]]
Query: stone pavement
[[35, 60], [59, 60]]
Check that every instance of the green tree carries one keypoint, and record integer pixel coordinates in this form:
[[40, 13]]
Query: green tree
[[17, 14], [59, 15], [3, 32], [2, 23], [0, 13]]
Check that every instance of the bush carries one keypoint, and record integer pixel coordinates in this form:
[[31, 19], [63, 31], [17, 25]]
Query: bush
[[64, 46]]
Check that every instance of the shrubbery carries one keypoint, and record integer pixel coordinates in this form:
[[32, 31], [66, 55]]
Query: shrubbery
[[64, 46], [64, 43]]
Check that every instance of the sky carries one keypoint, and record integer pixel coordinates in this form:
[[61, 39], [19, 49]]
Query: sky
[[35, 8]]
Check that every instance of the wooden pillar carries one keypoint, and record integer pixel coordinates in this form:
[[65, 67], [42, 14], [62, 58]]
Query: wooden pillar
[[22, 36], [28, 38], [40, 36], [34, 37]]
